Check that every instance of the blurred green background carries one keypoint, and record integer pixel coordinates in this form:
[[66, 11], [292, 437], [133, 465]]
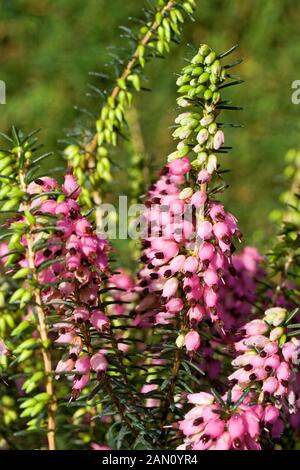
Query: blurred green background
[[47, 48]]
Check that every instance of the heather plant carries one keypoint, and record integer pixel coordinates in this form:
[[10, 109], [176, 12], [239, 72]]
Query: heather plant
[[95, 357]]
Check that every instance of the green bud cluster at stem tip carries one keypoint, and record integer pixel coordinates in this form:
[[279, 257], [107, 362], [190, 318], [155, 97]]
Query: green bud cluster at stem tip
[[90, 161], [10, 192], [199, 86], [289, 198]]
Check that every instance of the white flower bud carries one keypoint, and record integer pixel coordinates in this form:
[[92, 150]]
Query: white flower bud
[[186, 193], [276, 333], [212, 163], [180, 341], [202, 136]]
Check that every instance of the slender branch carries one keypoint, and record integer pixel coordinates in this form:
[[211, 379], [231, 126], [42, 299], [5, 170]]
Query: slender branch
[[170, 393], [92, 145], [118, 405], [182, 325]]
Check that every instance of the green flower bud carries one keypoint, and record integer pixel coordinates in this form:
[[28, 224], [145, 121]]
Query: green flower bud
[[213, 87], [197, 59], [183, 148], [216, 97], [210, 58], [182, 80], [207, 94], [203, 77], [276, 333], [216, 67], [195, 164], [212, 128], [200, 91], [184, 89], [2, 300], [198, 148], [188, 69], [182, 152], [183, 102], [181, 132], [197, 71], [191, 93], [204, 50], [282, 340], [223, 74], [180, 341]]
